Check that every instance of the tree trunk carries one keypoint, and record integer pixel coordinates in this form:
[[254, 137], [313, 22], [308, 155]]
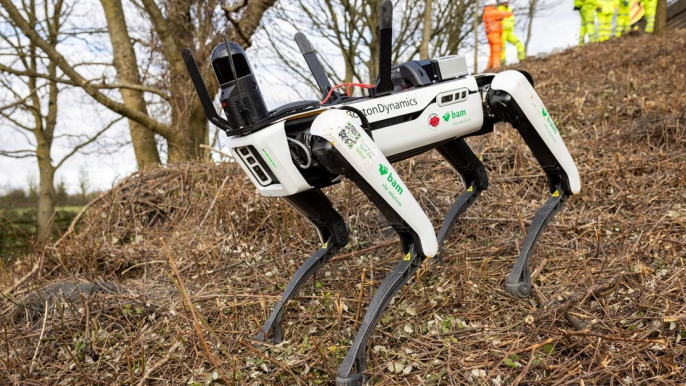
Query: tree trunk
[[142, 138], [530, 22], [476, 37], [185, 145], [426, 31], [373, 63], [46, 193], [661, 17]]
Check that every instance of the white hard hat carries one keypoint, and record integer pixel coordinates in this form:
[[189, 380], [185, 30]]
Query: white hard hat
[[489, 3]]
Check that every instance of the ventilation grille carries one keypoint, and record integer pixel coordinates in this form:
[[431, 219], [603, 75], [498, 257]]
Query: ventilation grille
[[247, 106]]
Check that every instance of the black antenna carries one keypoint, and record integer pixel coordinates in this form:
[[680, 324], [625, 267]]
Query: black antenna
[[385, 84], [315, 66], [203, 94], [245, 114]]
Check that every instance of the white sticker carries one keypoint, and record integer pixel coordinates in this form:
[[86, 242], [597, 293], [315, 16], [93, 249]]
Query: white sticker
[[356, 142]]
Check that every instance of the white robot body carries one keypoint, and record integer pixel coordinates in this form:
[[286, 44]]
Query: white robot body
[[269, 146], [436, 121]]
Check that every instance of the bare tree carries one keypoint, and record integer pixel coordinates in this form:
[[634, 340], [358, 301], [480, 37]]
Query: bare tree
[[31, 105], [84, 182], [426, 30], [530, 22], [176, 114], [126, 64], [531, 10]]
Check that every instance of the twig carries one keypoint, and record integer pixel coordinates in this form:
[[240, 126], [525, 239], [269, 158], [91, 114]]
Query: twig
[[615, 338], [536, 346], [359, 298], [261, 355], [580, 297], [70, 230], [191, 308], [214, 201], [40, 338], [377, 246], [150, 370], [217, 151], [36, 268], [525, 369]]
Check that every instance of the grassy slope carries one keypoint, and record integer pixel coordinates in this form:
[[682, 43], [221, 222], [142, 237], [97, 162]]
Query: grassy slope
[[620, 108]]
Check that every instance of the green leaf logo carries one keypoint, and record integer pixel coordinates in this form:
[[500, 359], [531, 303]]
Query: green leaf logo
[[446, 116], [545, 113], [383, 169]]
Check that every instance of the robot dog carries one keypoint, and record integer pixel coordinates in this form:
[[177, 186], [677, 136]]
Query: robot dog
[[297, 149]]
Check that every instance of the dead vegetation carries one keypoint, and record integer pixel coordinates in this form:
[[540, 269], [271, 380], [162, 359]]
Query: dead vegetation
[[609, 306]]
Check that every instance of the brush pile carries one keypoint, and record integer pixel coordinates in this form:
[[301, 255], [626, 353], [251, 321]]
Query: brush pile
[[185, 262]]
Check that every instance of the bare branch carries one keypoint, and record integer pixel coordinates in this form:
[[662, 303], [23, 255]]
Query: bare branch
[[171, 50], [62, 63], [15, 122], [18, 153], [20, 101], [102, 85], [87, 142]]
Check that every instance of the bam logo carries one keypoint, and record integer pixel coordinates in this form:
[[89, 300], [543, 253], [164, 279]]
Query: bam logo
[[394, 183], [550, 121], [383, 169], [454, 114]]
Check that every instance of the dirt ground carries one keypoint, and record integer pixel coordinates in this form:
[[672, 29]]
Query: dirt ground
[[608, 307]]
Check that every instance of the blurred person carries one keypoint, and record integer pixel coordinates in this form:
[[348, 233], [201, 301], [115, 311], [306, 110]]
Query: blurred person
[[623, 18], [636, 13], [587, 10], [508, 35], [605, 12], [650, 7], [492, 19]]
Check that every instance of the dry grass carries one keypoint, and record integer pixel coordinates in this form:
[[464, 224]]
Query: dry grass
[[609, 305]]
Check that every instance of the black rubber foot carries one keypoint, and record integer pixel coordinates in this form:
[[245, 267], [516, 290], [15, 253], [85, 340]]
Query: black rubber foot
[[354, 380], [519, 290], [276, 337]]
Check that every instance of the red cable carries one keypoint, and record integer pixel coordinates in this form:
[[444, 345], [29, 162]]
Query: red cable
[[349, 85]]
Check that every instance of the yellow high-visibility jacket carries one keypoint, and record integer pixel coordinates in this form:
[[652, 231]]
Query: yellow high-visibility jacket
[[508, 22], [586, 3], [608, 6]]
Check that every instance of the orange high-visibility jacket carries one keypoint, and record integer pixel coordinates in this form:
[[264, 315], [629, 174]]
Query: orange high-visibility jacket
[[493, 18]]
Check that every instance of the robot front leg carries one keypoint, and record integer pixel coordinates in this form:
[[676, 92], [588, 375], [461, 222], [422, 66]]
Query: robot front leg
[[513, 99], [462, 158], [351, 371], [317, 208], [343, 146]]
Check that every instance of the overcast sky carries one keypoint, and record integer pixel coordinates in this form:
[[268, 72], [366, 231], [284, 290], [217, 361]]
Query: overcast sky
[[556, 28]]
